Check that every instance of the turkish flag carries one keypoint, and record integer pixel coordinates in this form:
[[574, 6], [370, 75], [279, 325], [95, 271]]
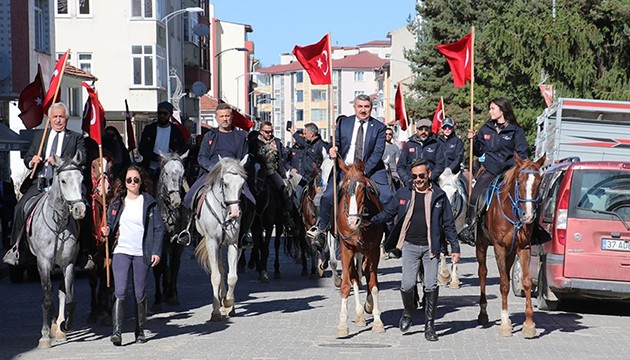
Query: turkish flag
[[399, 107], [459, 58], [30, 102], [93, 115], [316, 60], [438, 117], [547, 92], [175, 117], [241, 121], [52, 96], [131, 138]]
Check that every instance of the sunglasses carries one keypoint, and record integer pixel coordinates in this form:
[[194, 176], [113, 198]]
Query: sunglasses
[[135, 180], [423, 128], [267, 131], [418, 176], [447, 127], [388, 134]]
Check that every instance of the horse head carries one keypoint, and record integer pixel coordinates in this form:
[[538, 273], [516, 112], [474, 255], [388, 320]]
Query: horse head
[[353, 193], [171, 178], [232, 178], [527, 176], [68, 183], [448, 182], [98, 180]]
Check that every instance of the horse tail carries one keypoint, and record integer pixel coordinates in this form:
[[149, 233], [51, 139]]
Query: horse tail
[[201, 252]]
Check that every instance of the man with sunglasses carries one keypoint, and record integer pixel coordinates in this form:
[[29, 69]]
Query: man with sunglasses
[[422, 145], [452, 146], [424, 220], [163, 136]]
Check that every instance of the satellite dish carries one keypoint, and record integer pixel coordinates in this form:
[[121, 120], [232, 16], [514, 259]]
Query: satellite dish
[[5, 66], [201, 29], [199, 88]]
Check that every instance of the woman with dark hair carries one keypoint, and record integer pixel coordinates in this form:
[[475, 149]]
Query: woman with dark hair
[[134, 226], [495, 142]]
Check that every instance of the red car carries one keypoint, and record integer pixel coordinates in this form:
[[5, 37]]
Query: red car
[[585, 248]]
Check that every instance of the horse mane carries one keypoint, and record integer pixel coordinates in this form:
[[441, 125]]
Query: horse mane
[[225, 165]]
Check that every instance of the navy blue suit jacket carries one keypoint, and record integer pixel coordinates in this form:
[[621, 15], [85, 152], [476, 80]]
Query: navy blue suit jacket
[[374, 142]]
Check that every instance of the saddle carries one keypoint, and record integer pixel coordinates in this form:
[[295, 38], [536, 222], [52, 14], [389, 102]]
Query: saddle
[[29, 211]]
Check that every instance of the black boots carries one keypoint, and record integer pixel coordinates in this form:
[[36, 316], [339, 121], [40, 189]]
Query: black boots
[[141, 319], [430, 310], [467, 234], [117, 319], [409, 305]]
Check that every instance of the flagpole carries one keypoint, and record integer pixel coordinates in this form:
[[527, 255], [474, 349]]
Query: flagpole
[[472, 98], [331, 104], [443, 108], [104, 214]]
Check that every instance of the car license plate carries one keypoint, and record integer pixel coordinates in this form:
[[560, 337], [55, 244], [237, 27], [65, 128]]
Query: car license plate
[[615, 244]]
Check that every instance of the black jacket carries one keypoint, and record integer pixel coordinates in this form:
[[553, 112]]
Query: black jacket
[[414, 149], [312, 155], [453, 148], [499, 147], [147, 142], [206, 158]]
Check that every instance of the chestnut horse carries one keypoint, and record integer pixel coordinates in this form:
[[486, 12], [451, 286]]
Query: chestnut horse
[[507, 225], [356, 202]]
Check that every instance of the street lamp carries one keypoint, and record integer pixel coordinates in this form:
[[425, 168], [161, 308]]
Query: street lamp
[[238, 99], [219, 67], [165, 20]]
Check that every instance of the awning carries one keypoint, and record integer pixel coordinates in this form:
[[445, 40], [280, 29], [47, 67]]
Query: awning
[[11, 141]]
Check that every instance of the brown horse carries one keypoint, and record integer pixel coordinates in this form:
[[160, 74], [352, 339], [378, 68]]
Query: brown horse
[[507, 225], [356, 202]]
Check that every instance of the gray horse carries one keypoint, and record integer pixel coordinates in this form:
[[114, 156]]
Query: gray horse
[[219, 224], [175, 216], [53, 240]]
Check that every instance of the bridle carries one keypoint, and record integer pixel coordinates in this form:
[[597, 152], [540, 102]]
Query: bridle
[[363, 211], [60, 217], [225, 203], [165, 196]]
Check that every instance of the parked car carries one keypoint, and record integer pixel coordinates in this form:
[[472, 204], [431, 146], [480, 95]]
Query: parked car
[[584, 211]]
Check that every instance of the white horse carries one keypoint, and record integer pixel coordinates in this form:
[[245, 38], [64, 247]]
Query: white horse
[[53, 240], [219, 224], [458, 198]]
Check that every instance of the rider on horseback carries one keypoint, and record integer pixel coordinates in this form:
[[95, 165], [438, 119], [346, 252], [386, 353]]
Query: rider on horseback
[[63, 142], [311, 145], [497, 141], [452, 146]]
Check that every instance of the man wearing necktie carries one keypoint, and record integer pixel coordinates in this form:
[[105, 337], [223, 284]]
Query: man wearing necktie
[[357, 137], [59, 141]]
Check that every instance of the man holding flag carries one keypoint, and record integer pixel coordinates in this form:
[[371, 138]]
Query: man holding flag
[[59, 141]]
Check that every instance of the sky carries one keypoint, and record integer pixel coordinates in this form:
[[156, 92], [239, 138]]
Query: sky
[[279, 25]]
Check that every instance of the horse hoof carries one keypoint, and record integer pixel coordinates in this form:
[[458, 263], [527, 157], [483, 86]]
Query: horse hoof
[[343, 332], [529, 331], [378, 327], [231, 312], [360, 321], [227, 303], [216, 317], [505, 330], [60, 336], [264, 277], [482, 319], [454, 285], [337, 282], [367, 307], [277, 275], [43, 344], [54, 329]]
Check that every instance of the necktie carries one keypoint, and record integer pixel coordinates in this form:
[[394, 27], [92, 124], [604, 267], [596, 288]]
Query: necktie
[[358, 144], [48, 171]]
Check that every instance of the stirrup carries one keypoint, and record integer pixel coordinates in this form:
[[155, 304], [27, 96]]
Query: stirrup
[[184, 238], [313, 232]]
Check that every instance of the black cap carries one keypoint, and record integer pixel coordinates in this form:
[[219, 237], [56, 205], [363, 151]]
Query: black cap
[[166, 106]]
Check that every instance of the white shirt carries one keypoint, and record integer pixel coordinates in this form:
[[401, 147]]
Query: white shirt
[[51, 138], [162, 140], [131, 228], [350, 155]]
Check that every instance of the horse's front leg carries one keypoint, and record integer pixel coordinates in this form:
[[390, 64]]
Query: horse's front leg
[[342, 328], [371, 270], [529, 326], [504, 263], [61, 325], [176, 261], [276, 247], [215, 277], [158, 272], [232, 278], [44, 268], [482, 272]]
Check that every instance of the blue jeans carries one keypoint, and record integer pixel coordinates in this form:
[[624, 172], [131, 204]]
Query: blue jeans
[[121, 265]]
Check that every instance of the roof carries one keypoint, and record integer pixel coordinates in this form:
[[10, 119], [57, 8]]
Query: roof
[[208, 103], [78, 73], [376, 43], [362, 60]]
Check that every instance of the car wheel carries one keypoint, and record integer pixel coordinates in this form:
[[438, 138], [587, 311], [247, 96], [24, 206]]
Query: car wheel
[[516, 276], [544, 304]]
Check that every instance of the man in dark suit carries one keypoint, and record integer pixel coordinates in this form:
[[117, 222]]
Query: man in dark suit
[[58, 141], [163, 136], [357, 137]]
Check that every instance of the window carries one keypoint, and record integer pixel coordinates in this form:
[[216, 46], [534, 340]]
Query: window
[[85, 62], [142, 8], [319, 114], [62, 7], [318, 95], [142, 58], [359, 76], [161, 67], [60, 54], [84, 7], [42, 26], [299, 77], [299, 115], [299, 95], [73, 101], [190, 21]]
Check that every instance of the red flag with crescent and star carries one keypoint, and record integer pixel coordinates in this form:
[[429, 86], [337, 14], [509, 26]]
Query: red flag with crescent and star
[[399, 107], [30, 102], [93, 115], [315, 59], [52, 95], [459, 56], [438, 117]]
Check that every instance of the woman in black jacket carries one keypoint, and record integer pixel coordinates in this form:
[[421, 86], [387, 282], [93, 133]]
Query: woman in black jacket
[[496, 142]]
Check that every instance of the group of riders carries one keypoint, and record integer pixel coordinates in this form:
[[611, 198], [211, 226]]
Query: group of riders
[[359, 137]]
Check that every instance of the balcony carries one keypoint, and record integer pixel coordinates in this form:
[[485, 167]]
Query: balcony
[[195, 73]]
